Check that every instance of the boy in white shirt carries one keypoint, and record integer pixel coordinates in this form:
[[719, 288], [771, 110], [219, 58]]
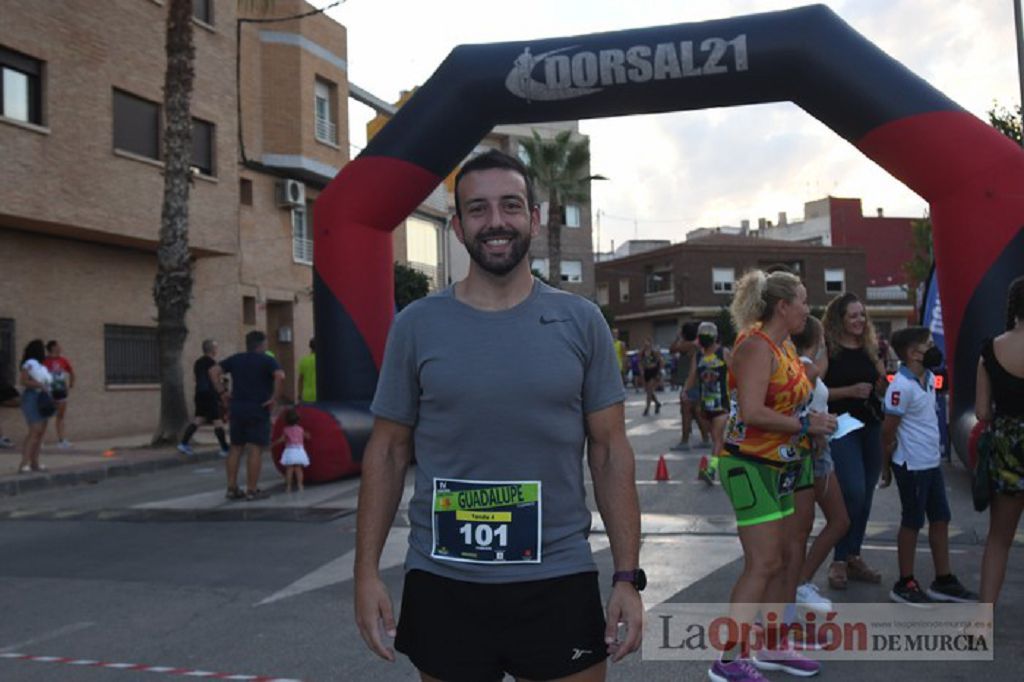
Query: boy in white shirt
[[911, 451]]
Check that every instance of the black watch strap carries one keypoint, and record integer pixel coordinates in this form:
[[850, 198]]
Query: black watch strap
[[637, 578]]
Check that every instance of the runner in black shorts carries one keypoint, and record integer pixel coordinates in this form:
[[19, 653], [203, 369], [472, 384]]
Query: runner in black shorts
[[208, 407], [500, 383]]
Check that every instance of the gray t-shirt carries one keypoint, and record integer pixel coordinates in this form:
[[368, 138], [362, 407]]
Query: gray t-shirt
[[501, 396]]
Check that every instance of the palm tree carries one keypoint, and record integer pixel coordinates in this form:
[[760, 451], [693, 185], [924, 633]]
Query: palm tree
[[172, 290], [559, 166]]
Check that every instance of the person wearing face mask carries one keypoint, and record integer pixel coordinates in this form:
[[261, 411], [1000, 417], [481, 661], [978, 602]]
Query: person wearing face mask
[[912, 453], [855, 378], [709, 374]]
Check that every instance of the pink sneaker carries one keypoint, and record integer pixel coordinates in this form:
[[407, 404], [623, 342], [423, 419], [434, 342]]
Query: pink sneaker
[[787, 660], [740, 670]]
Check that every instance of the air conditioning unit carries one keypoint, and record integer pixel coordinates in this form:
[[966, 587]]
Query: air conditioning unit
[[291, 193]]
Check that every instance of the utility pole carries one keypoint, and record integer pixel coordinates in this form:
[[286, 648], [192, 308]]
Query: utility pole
[[1020, 57]]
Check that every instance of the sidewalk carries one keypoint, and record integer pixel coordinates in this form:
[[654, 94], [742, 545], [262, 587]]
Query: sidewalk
[[95, 460]]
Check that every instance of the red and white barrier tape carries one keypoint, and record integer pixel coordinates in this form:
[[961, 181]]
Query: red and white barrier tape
[[140, 667]]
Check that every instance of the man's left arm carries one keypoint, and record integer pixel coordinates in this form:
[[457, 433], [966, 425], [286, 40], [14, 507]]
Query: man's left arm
[[610, 457], [278, 389]]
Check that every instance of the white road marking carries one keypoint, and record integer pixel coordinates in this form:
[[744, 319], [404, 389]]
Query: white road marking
[[340, 570], [674, 563], [53, 634]]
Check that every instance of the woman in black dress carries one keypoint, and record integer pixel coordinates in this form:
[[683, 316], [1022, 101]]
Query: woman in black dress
[[999, 399]]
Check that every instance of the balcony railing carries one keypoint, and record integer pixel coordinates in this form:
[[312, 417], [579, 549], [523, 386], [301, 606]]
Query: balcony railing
[[326, 131]]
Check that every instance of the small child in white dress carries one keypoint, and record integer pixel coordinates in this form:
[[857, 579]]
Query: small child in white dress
[[294, 457]]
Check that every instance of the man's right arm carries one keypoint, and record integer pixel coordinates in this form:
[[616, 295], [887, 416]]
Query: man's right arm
[[385, 462]]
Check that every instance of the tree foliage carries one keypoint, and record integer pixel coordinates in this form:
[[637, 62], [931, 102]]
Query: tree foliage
[[1005, 121], [410, 284], [559, 168], [919, 267]]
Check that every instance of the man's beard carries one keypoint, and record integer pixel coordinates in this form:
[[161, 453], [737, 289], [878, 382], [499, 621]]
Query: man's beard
[[519, 246]]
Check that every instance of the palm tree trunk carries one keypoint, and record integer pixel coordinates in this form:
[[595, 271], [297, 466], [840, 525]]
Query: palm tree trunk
[[172, 290], [554, 240]]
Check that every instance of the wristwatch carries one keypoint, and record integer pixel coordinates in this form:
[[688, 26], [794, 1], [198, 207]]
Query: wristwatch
[[637, 578]]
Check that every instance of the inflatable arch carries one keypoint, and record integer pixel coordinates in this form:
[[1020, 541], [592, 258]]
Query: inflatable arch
[[970, 174]]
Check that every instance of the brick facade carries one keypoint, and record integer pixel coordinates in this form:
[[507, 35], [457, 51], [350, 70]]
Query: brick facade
[[79, 219]]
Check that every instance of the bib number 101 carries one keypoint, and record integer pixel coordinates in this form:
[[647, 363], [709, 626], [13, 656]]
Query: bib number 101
[[484, 535]]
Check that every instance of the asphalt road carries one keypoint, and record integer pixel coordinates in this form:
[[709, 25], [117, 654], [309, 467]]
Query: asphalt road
[[154, 575]]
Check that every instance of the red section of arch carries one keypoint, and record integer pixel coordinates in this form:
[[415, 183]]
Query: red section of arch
[[971, 176], [352, 223], [330, 456]]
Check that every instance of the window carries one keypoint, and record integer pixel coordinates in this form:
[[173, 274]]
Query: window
[[21, 92], [302, 236], [835, 280], [249, 310], [540, 265], [202, 146], [572, 271], [8, 371], [203, 11], [572, 215], [324, 96], [245, 191], [722, 280], [136, 125], [422, 241], [657, 279], [602, 293], [624, 290], [131, 355]]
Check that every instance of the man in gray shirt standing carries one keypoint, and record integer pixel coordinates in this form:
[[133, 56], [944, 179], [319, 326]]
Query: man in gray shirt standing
[[500, 383]]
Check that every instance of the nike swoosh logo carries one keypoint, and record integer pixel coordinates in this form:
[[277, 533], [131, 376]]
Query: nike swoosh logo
[[552, 320]]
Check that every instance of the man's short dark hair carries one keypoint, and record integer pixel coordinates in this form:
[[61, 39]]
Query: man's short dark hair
[[491, 159], [904, 338], [690, 330], [253, 340], [50, 345]]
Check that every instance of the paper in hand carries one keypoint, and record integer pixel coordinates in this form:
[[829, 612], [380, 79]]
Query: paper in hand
[[846, 424]]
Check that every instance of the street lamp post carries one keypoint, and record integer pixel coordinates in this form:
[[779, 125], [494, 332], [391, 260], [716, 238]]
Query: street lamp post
[[1020, 58]]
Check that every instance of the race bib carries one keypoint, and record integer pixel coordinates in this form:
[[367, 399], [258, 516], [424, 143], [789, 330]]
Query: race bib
[[787, 480], [487, 522]]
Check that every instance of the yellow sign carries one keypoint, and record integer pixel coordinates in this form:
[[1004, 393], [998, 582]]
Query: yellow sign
[[492, 517]]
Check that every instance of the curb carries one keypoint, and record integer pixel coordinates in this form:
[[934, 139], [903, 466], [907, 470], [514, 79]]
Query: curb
[[20, 484]]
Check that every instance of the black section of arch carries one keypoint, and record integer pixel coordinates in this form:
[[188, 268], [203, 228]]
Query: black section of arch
[[344, 363], [806, 55], [985, 311]]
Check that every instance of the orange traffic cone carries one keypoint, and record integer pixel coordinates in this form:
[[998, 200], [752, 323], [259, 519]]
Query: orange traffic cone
[[703, 472], [662, 473]]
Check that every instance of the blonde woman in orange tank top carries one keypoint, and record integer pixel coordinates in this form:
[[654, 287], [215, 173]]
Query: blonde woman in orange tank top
[[767, 441]]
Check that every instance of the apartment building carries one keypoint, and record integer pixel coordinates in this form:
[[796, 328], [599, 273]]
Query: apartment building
[[652, 293], [81, 188], [885, 240]]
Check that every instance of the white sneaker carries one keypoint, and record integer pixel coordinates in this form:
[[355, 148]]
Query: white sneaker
[[64, 444], [807, 595], [224, 453], [185, 449]]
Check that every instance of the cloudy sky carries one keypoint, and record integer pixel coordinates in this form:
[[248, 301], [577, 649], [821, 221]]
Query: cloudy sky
[[673, 172]]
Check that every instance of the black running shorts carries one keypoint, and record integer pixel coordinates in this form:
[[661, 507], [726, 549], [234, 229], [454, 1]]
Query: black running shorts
[[476, 632]]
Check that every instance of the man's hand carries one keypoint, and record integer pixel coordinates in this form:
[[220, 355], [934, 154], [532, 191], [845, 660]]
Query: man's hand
[[624, 606], [886, 475], [374, 615]]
